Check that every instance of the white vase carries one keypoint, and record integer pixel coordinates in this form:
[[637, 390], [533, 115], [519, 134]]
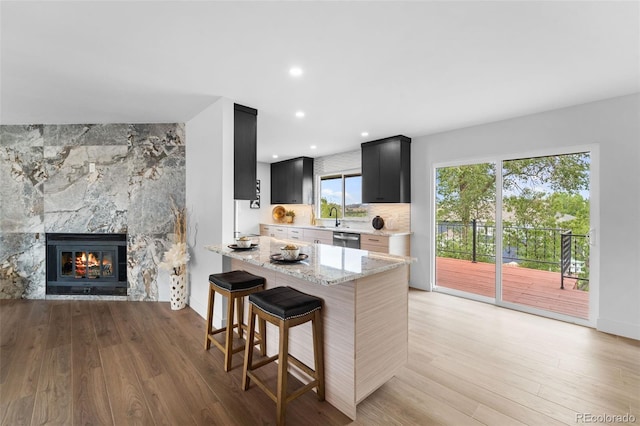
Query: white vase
[[178, 289]]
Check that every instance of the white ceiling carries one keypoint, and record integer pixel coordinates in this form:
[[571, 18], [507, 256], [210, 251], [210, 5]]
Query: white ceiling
[[411, 68]]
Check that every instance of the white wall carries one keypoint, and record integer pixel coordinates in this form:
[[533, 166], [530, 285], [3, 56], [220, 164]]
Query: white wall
[[613, 127], [209, 195]]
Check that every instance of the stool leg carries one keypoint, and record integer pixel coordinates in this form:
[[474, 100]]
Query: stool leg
[[318, 352], [229, 334], [240, 314], [248, 350], [262, 324], [212, 294], [283, 360]]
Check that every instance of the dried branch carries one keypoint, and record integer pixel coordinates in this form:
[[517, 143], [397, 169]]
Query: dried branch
[[179, 222]]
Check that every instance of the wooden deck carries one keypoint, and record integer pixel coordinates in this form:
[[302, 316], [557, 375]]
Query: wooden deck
[[530, 287]]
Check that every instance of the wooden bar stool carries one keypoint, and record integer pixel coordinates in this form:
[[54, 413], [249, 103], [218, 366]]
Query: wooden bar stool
[[234, 285], [285, 307]]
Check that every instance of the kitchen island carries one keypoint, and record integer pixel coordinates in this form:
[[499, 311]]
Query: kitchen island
[[365, 312]]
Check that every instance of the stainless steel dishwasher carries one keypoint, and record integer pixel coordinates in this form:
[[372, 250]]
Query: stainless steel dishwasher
[[346, 239]]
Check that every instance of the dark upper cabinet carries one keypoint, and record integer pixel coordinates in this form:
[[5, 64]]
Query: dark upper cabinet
[[386, 170], [244, 152], [292, 181]]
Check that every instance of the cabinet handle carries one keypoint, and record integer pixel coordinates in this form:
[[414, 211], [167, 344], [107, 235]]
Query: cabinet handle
[[339, 237], [373, 239]]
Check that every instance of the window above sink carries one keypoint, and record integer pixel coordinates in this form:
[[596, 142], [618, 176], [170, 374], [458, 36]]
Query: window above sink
[[341, 194]]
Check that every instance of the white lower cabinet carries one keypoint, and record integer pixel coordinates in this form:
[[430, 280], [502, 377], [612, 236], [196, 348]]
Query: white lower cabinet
[[296, 234], [274, 231], [318, 236], [392, 244]]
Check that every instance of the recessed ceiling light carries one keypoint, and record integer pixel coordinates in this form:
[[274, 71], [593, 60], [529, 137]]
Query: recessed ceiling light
[[313, 147], [275, 155], [299, 114], [364, 134], [295, 71]]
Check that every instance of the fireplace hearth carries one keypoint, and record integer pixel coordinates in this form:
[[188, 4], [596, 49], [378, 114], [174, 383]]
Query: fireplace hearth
[[87, 264]]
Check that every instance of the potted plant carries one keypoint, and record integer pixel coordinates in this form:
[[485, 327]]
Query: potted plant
[[289, 215]]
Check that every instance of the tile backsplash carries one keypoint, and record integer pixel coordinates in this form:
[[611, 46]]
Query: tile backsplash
[[397, 217]]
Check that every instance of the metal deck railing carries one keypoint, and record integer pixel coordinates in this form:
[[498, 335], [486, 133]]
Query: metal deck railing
[[549, 249]]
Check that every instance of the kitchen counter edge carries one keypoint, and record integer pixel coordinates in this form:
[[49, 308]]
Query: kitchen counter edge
[[398, 261]]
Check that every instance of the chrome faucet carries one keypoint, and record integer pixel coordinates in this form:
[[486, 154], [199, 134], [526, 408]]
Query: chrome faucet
[[331, 210]]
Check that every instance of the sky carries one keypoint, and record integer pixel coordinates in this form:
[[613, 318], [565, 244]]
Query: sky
[[331, 190]]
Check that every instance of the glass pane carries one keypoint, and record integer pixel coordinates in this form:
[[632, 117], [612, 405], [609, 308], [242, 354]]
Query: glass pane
[[465, 228], [353, 197], [66, 263], [107, 264], [331, 196], [545, 222], [93, 264], [81, 264]]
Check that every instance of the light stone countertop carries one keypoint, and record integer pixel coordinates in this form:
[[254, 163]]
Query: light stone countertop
[[326, 265], [382, 232]]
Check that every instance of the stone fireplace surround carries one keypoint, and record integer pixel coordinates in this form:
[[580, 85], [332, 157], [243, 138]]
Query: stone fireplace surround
[[47, 185]]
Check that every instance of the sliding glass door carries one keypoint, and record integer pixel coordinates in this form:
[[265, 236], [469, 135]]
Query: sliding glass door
[[465, 229], [545, 227], [533, 212]]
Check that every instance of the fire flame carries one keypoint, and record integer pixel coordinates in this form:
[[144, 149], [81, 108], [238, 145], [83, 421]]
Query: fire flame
[[92, 262]]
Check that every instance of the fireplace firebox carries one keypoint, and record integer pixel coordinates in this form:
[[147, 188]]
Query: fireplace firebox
[[92, 264]]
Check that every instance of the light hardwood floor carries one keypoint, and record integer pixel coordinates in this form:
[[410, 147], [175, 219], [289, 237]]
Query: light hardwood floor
[[72, 363]]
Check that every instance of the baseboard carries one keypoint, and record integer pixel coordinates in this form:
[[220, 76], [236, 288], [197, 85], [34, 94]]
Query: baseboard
[[200, 308], [618, 328]]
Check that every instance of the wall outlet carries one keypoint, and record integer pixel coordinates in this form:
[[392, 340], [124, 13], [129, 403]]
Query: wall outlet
[[92, 167]]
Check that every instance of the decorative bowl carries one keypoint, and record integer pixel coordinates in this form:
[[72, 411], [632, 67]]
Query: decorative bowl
[[290, 252], [243, 242], [278, 213]]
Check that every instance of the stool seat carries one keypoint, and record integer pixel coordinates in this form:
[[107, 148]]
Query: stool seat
[[236, 280], [285, 302]]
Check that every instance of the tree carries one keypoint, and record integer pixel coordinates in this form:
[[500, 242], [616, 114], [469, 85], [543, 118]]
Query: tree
[[466, 192], [560, 173], [571, 205], [528, 208], [325, 208]]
